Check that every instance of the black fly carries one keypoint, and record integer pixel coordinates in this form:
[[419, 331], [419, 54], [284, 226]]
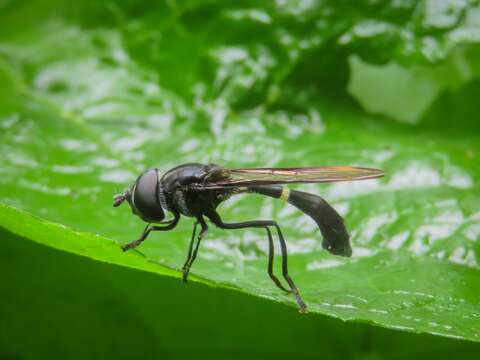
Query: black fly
[[195, 190]]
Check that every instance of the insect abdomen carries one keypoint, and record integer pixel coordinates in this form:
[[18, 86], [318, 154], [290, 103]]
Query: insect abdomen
[[336, 239]]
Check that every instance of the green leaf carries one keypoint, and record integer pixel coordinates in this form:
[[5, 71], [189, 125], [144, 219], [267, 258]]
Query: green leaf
[[89, 309], [92, 96], [60, 237]]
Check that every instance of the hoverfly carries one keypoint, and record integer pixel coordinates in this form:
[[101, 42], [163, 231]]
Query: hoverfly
[[195, 190]]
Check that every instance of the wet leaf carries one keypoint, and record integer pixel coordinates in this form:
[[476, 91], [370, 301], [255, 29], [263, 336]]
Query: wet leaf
[[86, 105]]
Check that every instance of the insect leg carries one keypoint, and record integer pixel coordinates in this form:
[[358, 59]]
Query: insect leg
[[270, 262], [215, 218], [204, 229], [137, 242], [190, 248], [147, 231], [283, 247]]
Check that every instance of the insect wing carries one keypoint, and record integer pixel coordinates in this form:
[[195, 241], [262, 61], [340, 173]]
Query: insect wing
[[270, 176]]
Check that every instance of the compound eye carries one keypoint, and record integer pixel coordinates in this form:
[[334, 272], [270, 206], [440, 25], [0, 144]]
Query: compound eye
[[145, 197]]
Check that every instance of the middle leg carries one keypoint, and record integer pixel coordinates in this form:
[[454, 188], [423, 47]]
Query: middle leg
[[190, 247], [193, 256]]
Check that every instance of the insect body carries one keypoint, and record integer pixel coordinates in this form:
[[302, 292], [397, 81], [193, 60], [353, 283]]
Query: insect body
[[195, 190]]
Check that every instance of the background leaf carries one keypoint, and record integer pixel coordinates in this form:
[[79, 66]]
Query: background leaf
[[93, 94]]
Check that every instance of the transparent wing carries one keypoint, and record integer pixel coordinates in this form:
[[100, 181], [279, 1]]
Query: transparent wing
[[270, 176]]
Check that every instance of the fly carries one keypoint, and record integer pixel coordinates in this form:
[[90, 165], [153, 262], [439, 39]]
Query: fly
[[195, 190]]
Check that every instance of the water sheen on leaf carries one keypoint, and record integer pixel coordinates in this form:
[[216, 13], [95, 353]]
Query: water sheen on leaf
[[87, 102]]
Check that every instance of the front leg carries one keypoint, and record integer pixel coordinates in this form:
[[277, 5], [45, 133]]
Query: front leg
[[135, 243], [150, 228]]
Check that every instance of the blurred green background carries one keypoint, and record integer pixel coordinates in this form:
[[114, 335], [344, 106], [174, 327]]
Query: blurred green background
[[93, 93]]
